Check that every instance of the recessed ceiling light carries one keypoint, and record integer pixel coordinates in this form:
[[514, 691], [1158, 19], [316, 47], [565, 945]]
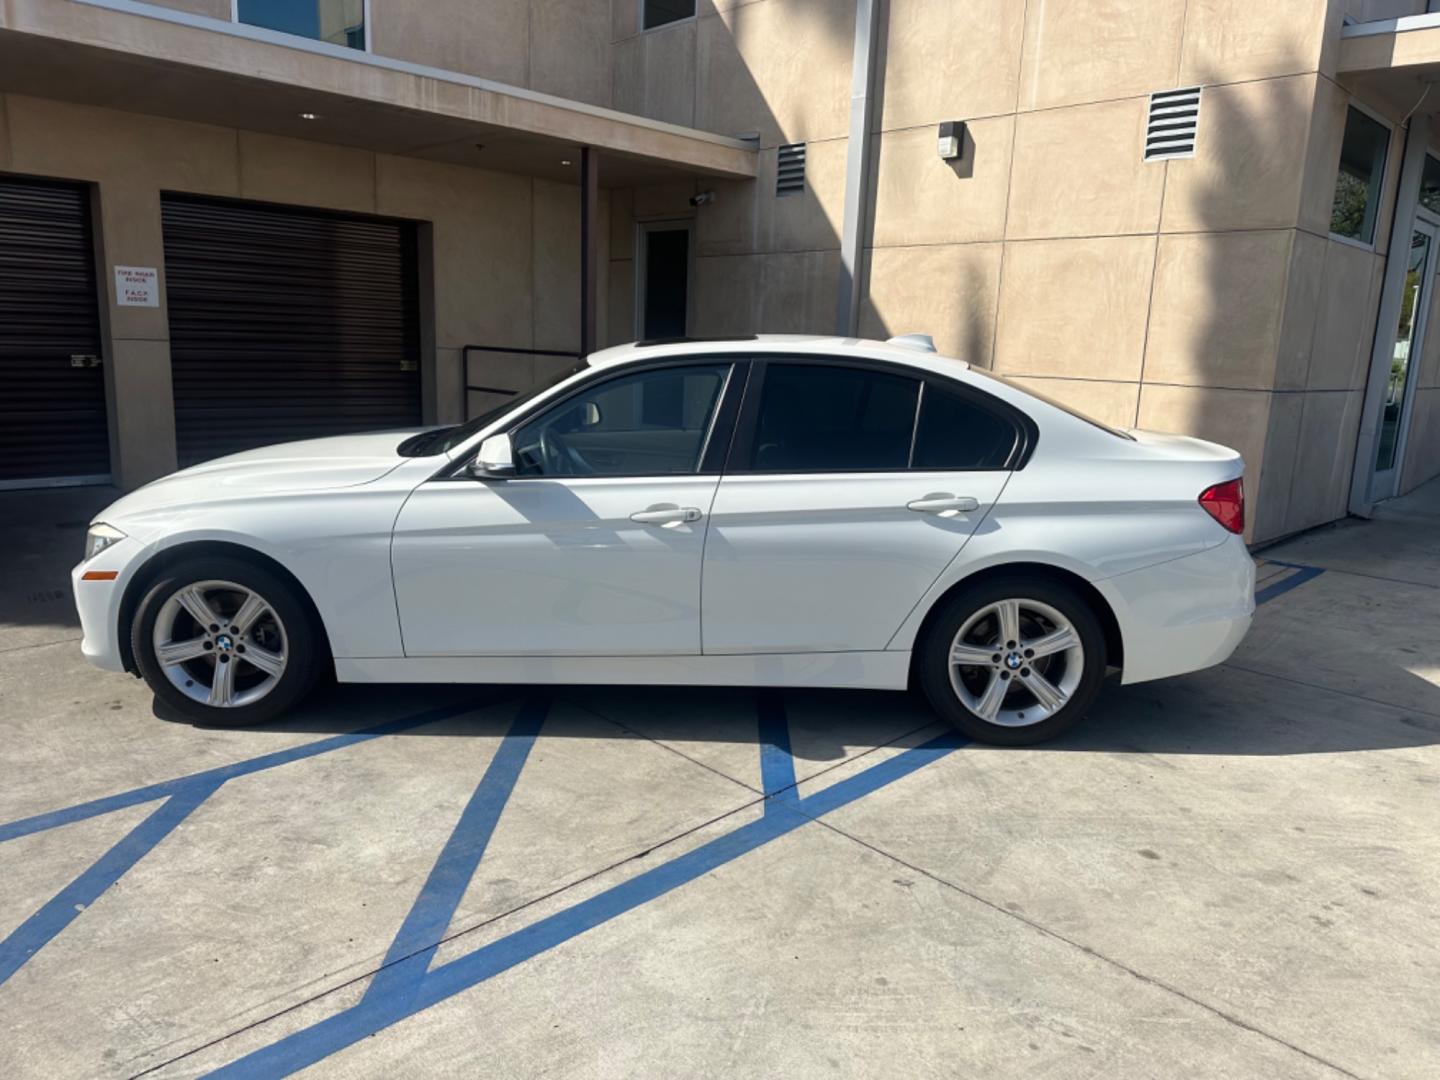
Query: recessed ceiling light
[[309, 116], [564, 161]]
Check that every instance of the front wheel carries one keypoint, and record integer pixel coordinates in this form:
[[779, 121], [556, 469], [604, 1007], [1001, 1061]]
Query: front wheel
[[225, 642], [1013, 661]]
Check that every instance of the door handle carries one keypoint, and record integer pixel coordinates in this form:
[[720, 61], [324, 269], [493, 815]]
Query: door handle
[[941, 502], [667, 514]]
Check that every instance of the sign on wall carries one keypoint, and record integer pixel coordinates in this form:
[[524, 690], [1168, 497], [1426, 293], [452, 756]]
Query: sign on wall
[[137, 286]]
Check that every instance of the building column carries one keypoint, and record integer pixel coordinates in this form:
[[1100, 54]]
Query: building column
[[136, 340], [589, 251]]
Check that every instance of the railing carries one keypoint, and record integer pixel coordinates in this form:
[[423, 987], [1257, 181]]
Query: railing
[[467, 387]]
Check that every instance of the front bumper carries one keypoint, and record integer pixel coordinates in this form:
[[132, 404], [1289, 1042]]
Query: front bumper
[[98, 602], [1183, 615]]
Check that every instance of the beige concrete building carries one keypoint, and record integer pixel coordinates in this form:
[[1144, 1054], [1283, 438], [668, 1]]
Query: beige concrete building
[[224, 222]]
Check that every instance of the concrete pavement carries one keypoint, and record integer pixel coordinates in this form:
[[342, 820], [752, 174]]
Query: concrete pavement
[[1228, 874]]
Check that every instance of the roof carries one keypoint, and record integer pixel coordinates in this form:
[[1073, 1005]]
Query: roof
[[810, 345]]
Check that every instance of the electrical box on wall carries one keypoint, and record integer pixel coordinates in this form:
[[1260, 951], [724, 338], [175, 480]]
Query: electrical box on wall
[[952, 139]]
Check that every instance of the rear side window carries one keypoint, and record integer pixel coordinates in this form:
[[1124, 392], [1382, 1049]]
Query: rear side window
[[833, 419], [956, 433]]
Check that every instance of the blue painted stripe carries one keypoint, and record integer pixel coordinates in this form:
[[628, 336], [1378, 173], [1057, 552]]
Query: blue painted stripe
[[777, 763], [1301, 575], [309, 1045], [96, 807], [35, 932], [414, 946]]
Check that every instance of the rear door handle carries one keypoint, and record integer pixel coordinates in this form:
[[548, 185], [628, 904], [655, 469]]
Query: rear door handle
[[667, 514], [941, 502]]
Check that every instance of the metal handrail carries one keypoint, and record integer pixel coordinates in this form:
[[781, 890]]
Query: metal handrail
[[466, 386]]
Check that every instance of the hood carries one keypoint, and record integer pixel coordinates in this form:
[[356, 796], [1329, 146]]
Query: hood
[[340, 461]]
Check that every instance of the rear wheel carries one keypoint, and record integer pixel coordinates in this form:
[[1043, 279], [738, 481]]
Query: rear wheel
[[225, 642], [1013, 661]]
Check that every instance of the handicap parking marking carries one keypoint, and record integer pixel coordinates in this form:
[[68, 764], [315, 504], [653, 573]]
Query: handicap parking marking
[[183, 795], [378, 1011], [404, 984], [777, 762], [411, 952], [1279, 582]]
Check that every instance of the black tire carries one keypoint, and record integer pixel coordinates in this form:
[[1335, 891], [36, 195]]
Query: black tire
[[305, 651], [933, 658]]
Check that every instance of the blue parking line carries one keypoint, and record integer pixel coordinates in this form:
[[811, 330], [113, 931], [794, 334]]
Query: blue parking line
[[36, 932], [309, 1045], [777, 763], [414, 946], [96, 807], [1280, 588]]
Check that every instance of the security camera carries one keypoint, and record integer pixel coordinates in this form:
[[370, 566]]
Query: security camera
[[703, 198]]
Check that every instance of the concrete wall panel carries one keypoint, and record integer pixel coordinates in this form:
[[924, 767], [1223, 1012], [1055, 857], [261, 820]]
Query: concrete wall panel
[[1247, 170], [1079, 171], [570, 49], [1230, 338], [777, 67], [491, 41], [1075, 308], [922, 199], [949, 61], [1231, 40], [1097, 50], [949, 291], [301, 173]]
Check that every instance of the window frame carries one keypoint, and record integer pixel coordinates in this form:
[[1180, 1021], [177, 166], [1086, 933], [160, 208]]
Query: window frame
[[640, 18], [1373, 243], [714, 448], [742, 440], [283, 35]]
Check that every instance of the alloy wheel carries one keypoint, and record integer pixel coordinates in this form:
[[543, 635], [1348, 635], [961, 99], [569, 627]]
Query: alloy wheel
[[1016, 662], [220, 644]]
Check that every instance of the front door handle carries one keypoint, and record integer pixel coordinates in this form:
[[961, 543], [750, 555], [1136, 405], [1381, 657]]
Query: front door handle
[[942, 502], [666, 514]]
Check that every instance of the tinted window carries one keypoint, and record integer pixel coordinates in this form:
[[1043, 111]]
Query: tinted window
[[660, 12], [647, 424], [816, 419], [340, 22], [955, 433], [1357, 185]]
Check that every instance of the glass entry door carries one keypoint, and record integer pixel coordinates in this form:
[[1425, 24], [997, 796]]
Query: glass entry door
[[1404, 358]]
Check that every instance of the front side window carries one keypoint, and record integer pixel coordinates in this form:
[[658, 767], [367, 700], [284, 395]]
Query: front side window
[[833, 419], [651, 423], [659, 12], [339, 22], [1357, 186]]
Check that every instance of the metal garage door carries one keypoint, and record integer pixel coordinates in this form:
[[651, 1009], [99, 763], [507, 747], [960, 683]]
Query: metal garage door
[[287, 324], [52, 388]]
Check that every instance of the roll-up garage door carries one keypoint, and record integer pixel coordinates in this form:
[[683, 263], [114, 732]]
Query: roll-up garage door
[[52, 387], [287, 324]]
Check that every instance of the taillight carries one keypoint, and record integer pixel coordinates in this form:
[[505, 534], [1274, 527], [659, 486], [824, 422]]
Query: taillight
[[1226, 504]]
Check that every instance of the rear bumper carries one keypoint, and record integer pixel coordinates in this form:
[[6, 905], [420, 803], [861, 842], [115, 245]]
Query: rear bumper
[[1183, 615]]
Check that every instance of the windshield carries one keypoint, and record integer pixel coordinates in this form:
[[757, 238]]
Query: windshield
[[1048, 400], [443, 440]]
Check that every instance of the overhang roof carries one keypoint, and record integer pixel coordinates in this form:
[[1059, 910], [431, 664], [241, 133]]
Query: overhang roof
[[145, 58], [1395, 58]]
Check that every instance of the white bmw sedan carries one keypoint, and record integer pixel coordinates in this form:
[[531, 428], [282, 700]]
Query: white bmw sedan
[[777, 511]]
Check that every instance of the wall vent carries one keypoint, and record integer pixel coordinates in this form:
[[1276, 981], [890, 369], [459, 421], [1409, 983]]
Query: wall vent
[[790, 172], [1174, 117]]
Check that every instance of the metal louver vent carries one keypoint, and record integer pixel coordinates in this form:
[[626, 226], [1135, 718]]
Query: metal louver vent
[[790, 173], [1174, 117]]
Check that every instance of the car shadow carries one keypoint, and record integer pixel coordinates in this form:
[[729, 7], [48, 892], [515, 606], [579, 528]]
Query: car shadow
[[1224, 711]]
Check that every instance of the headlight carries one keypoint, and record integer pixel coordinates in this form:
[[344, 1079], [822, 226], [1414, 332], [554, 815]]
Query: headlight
[[100, 537]]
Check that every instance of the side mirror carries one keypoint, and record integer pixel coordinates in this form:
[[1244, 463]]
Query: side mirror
[[495, 461]]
